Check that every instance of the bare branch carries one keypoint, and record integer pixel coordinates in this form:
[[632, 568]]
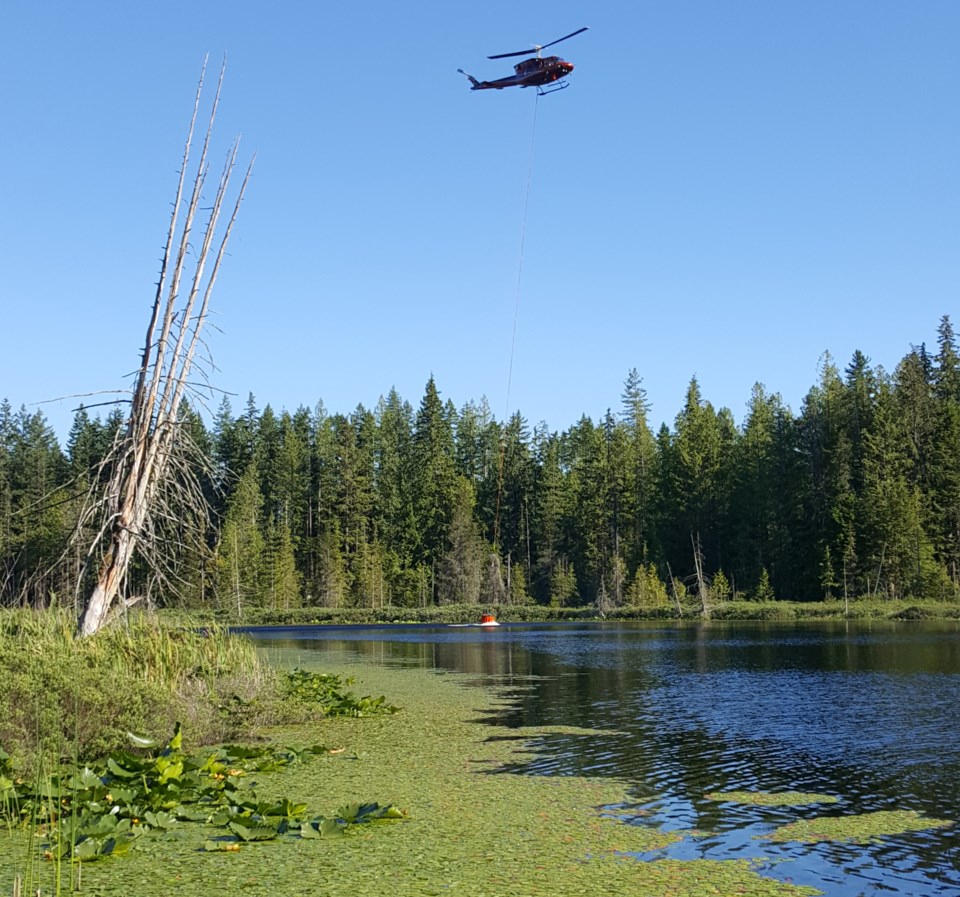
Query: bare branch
[[153, 490]]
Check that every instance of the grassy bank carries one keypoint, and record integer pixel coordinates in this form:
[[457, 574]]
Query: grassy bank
[[861, 609], [67, 697], [472, 829]]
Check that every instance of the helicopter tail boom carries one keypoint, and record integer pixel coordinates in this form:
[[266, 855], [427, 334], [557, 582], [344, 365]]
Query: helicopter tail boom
[[474, 83]]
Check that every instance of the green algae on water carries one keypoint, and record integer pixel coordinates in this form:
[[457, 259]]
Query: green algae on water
[[472, 828], [860, 829], [771, 798]]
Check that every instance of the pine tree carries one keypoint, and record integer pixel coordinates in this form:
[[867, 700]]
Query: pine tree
[[551, 516], [232, 447], [281, 581], [894, 547], [434, 476], [829, 503], [86, 445], [947, 378], [241, 550], [697, 467], [763, 590], [945, 452], [460, 568], [332, 578], [394, 510], [754, 500], [6, 498], [640, 497], [590, 537], [40, 526], [512, 537]]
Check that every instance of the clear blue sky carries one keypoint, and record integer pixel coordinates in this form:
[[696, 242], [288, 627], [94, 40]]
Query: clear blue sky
[[727, 189]]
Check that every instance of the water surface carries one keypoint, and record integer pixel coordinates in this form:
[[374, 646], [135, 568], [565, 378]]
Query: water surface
[[867, 713]]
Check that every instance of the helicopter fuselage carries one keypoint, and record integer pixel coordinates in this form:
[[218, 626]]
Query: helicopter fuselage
[[530, 73], [537, 72]]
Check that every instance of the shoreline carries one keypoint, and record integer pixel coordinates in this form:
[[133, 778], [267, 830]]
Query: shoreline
[[473, 829], [731, 611]]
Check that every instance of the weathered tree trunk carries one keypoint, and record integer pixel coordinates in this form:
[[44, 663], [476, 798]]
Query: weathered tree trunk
[[141, 461], [702, 588]]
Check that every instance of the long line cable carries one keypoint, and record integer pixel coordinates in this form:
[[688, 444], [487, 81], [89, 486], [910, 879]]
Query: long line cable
[[523, 239], [516, 315]]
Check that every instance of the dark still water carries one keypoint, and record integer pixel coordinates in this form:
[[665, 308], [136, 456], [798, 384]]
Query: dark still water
[[867, 713]]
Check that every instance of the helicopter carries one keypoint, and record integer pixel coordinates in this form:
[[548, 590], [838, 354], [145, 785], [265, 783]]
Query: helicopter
[[537, 72]]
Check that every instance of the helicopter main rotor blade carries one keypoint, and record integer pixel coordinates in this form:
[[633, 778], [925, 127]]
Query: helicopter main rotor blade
[[537, 49], [571, 34], [518, 53]]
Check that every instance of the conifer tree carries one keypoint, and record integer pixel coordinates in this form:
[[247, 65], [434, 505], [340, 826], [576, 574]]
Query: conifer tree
[[829, 515], [460, 569], [945, 454], [6, 501], [551, 516], [241, 550], [394, 508], [754, 499], [639, 498], [894, 548], [281, 581], [434, 476]]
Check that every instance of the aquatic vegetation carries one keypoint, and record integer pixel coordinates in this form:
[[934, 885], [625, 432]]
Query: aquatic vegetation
[[472, 828], [715, 877], [326, 691], [102, 809], [860, 829], [771, 798]]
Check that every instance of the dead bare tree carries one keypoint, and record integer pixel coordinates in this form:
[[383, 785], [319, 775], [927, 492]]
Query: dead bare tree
[[703, 588], [144, 461]]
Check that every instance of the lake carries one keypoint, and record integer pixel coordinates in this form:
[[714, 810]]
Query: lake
[[866, 713]]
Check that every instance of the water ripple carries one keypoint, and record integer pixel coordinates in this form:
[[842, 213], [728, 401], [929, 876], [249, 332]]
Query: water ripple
[[866, 714]]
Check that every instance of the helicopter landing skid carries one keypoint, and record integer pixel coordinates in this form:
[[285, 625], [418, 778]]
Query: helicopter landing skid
[[557, 86]]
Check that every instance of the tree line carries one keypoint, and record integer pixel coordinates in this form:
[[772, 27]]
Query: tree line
[[856, 494]]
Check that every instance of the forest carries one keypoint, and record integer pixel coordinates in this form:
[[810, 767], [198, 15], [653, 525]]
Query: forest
[[856, 494]]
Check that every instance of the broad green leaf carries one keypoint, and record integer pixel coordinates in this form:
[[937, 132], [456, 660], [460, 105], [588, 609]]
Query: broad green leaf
[[252, 832], [87, 778], [176, 743], [118, 770], [322, 828], [171, 771], [191, 814], [159, 820], [220, 846]]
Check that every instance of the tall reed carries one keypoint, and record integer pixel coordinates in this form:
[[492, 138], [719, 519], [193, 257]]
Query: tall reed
[[140, 676]]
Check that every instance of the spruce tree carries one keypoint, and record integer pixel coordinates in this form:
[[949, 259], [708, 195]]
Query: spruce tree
[[434, 476], [241, 549], [459, 571], [640, 497]]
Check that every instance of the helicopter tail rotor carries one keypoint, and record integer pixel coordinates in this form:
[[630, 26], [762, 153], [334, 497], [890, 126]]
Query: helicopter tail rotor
[[474, 83]]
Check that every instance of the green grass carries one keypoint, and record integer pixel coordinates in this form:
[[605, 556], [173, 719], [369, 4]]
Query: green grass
[[64, 697]]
